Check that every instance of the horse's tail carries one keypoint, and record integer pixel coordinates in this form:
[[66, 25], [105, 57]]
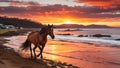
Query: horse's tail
[[26, 45]]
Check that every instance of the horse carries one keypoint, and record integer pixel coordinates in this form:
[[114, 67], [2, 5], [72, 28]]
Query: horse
[[39, 39]]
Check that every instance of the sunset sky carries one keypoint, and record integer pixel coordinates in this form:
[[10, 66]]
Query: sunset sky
[[85, 12]]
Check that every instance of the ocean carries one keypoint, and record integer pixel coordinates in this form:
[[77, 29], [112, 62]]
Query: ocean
[[73, 35]]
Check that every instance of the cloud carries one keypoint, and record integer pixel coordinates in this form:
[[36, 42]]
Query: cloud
[[58, 13], [23, 4], [4, 0], [61, 11], [18, 3], [102, 3]]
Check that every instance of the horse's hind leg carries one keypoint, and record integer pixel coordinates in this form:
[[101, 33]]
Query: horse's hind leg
[[34, 52], [31, 51]]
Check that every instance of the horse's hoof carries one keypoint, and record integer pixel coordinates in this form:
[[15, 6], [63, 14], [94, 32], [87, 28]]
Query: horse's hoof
[[41, 57]]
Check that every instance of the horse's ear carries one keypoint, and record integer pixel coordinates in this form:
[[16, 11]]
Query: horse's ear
[[52, 25], [48, 25]]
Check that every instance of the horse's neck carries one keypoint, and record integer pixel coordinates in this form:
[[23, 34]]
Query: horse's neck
[[44, 35]]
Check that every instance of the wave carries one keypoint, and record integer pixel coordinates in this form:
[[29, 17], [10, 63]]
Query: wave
[[88, 39]]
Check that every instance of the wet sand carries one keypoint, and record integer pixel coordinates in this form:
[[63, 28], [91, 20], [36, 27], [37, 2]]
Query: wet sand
[[84, 54]]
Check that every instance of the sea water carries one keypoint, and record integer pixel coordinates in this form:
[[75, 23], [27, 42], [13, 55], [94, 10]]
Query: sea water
[[114, 33]]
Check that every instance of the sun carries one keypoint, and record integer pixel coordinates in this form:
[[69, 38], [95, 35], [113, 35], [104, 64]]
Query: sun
[[68, 22]]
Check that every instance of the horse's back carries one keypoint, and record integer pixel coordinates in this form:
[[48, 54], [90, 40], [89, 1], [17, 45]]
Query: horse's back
[[33, 36], [33, 33], [37, 38]]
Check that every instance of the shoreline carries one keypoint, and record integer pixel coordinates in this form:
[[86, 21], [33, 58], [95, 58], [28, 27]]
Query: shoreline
[[11, 59]]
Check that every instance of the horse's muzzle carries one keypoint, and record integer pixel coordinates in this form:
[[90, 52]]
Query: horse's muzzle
[[53, 37]]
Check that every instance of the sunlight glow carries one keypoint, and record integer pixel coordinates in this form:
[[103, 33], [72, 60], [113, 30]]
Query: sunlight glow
[[53, 51], [68, 22], [53, 48]]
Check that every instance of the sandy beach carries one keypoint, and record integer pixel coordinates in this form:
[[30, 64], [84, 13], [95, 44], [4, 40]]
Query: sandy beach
[[83, 55], [58, 54], [11, 59]]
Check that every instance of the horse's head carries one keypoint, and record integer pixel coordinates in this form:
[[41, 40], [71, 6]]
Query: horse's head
[[50, 31]]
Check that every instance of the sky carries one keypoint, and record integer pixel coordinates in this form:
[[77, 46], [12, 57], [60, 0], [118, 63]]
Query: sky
[[85, 12]]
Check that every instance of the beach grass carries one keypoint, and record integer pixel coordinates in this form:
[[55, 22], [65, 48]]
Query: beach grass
[[2, 31]]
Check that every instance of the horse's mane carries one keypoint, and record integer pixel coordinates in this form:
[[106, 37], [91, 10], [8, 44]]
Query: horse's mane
[[43, 29]]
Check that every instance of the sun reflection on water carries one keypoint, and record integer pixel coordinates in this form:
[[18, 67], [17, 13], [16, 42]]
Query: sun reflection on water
[[53, 50]]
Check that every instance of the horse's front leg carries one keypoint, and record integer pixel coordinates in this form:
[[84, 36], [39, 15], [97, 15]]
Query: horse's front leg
[[41, 50], [34, 52]]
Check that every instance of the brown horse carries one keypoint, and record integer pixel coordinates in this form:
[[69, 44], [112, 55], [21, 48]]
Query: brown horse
[[39, 39]]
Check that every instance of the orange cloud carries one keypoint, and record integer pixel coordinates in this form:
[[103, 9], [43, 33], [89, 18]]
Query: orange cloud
[[58, 14], [101, 3]]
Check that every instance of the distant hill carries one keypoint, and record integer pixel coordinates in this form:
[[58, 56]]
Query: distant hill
[[25, 23], [97, 26], [19, 22], [81, 26], [69, 26]]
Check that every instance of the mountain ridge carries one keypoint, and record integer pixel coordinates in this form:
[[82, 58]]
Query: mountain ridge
[[25, 23], [81, 26]]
